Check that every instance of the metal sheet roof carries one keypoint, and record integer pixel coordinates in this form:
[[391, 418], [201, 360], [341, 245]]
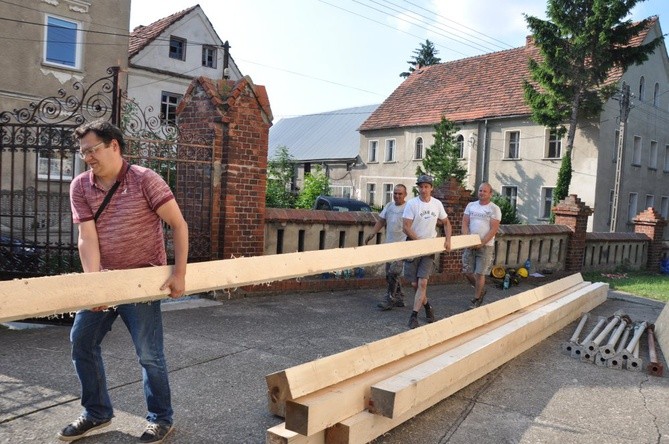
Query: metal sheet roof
[[326, 136]]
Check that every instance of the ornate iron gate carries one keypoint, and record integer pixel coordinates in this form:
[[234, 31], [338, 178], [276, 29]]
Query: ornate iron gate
[[38, 160]]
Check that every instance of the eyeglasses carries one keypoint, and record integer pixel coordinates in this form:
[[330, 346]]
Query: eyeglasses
[[90, 151]]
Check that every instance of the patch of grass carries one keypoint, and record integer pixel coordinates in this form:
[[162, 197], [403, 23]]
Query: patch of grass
[[649, 285]]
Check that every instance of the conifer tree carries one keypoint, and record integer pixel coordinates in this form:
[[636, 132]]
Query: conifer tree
[[424, 56], [442, 159], [581, 43]]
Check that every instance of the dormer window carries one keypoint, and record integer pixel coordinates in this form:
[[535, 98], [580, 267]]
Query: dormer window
[[177, 48]]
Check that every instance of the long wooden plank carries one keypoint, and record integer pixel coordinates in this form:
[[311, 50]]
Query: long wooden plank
[[46, 296], [662, 330], [315, 375], [365, 426], [402, 392], [315, 411]]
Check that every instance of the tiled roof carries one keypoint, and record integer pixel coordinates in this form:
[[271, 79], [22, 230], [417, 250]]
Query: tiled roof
[[143, 35], [486, 86], [327, 136]]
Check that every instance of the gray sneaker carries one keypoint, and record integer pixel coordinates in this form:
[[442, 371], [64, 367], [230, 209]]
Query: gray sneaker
[[155, 433], [80, 428]]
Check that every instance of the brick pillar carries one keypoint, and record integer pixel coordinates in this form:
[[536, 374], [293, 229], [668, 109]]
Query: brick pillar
[[455, 198], [235, 116], [651, 224], [574, 214]]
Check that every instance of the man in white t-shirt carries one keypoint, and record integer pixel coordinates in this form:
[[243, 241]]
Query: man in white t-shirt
[[391, 218], [481, 217], [421, 215]]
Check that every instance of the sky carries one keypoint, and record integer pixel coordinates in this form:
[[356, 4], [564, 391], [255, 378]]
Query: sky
[[318, 56]]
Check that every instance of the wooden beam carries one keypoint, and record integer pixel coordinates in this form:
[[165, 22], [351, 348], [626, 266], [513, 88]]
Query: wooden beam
[[321, 409], [44, 296], [365, 426], [280, 435], [662, 331], [403, 391], [315, 375]]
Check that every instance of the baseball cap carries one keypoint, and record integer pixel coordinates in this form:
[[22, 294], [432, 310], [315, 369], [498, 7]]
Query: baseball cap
[[424, 178]]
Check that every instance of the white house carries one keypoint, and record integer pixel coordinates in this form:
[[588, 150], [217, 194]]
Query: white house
[[166, 55], [500, 144]]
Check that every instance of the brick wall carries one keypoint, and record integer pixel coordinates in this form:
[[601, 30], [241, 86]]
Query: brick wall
[[234, 117], [455, 198], [574, 214], [650, 223]]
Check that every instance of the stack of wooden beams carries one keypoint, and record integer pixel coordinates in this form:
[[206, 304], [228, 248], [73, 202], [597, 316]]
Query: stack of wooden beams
[[359, 394]]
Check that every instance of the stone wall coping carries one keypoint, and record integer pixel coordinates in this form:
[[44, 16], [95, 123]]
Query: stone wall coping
[[616, 237], [281, 215], [520, 230]]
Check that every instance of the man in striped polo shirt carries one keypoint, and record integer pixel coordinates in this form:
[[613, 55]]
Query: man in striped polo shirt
[[124, 233]]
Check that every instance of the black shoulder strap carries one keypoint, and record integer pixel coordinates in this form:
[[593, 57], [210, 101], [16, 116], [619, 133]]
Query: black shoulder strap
[[108, 197]]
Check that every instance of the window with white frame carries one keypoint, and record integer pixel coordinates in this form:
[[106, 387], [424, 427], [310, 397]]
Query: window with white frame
[[371, 193], [656, 95], [642, 88], [664, 207], [168, 107], [209, 56], [650, 201], [636, 154], [63, 42], [511, 194], [546, 202], [55, 164], [632, 206], [341, 191], [177, 48], [418, 151], [652, 162], [554, 145], [616, 143], [512, 144], [373, 151], [390, 150], [387, 192], [460, 146]]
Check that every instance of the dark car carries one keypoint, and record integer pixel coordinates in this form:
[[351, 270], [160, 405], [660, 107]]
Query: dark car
[[331, 203], [18, 256]]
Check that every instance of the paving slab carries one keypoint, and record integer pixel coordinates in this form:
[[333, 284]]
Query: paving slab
[[219, 353]]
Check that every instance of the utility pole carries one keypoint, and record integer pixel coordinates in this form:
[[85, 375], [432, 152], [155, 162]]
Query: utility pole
[[624, 114], [226, 60]]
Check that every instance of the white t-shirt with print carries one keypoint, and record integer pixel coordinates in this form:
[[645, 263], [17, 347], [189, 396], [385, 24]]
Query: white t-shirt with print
[[424, 216], [480, 217]]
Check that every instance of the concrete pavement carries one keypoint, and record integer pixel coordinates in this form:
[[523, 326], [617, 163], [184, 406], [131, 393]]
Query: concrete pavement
[[220, 352]]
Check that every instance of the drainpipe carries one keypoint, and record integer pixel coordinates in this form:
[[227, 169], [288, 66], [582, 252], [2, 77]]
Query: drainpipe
[[484, 153]]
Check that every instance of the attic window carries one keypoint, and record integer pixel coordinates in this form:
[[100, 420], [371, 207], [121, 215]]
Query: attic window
[[209, 56], [177, 48]]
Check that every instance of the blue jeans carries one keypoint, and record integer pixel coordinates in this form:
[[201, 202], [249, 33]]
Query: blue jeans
[[145, 324]]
